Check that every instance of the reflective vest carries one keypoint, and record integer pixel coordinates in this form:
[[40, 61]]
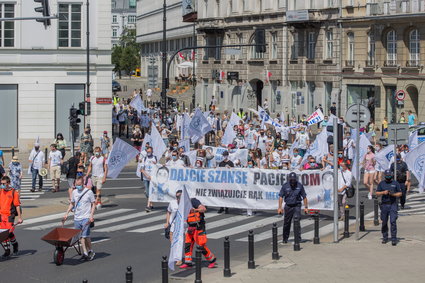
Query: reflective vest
[[194, 218], [241, 114]]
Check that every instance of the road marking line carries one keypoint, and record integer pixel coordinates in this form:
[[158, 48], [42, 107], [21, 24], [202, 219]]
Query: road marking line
[[99, 241], [122, 218], [132, 224]]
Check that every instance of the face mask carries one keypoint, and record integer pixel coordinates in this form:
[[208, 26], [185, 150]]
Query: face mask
[[388, 179], [293, 183], [250, 166], [262, 134], [340, 155], [15, 163], [79, 187], [302, 132], [2, 186], [240, 137], [36, 148], [311, 163], [295, 154], [174, 158], [174, 147], [97, 153]]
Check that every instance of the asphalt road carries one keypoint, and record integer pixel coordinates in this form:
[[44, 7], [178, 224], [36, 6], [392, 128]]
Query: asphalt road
[[127, 236]]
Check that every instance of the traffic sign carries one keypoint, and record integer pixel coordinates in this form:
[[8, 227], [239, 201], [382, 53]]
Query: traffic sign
[[352, 115], [398, 133], [400, 95]]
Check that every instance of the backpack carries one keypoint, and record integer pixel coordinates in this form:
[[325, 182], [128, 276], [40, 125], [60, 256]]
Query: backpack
[[65, 168], [13, 210]]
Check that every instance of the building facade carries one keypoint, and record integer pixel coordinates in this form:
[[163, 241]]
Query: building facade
[[123, 17], [43, 70]]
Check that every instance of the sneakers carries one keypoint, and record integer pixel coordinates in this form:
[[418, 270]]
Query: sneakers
[[148, 209], [32, 190], [6, 253], [186, 265], [394, 243], [98, 205], [84, 257], [369, 196], [221, 210], [15, 248], [212, 265], [384, 241], [91, 255]]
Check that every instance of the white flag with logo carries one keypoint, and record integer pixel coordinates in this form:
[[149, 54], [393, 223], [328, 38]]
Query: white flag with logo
[[384, 157], [120, 155], [316, 117], [185, 127], [318, 148], [415, 160], [158, 145], [199, 126], [413, 140], [364, 143], [185, 144], [137, 104], [177, 244]]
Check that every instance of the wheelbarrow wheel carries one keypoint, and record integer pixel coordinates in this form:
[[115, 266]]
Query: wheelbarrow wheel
[[58, 256]]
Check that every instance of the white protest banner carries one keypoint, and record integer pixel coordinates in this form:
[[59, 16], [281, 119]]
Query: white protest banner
[[199, 126], [185, 144], [415, 160], [315, 118], [240, 155], [158, 145], [137, 104], [364, 143], [383, 157], [146, 140], [119, 156], [177, 244], [413, 140], [241, 188]]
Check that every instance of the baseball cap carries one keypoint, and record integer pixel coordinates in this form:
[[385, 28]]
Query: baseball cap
[[105, 132], [292, 176], [388, 172]]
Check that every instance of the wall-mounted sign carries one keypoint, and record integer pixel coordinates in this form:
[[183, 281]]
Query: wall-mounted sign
[[103, 100]]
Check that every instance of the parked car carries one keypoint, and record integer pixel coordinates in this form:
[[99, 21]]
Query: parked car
[[116, 86]]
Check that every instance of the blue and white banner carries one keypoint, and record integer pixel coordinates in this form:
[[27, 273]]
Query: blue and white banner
[[177, 244], [364, 143], [241, 188], [415, 160], [316, 117], [266, 118], [185, 127], [383, 158], [120, 155], [185, 144], [199, 126], [238, 156], [137, 104]]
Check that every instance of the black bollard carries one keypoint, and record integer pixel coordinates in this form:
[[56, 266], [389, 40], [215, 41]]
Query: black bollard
[[297, 234], [362, 227], [198, 265], [129, 275], [346, 222], [226, 271], [375, 212], [164, 267], [251, 262], [85, 281], [127, 131], [316, 239], [275, 253]]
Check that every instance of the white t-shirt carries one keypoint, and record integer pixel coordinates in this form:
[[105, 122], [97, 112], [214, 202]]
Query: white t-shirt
[[240, 143], [349, 149], [302, 140], [177, 163], [55, 158], [276, 158], [83, 207], [37, 159], [148, 164], [284, 133], [262, 143], [348, 176], [295, 162], [97, 168], [250, 136]]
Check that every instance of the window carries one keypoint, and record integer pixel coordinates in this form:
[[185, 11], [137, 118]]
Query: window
[[273, 52], [371, 49], [414, 47], [7, 29], [132, 4], [391, 48], [350, 46], [294, 47], [114, 19], [114, 32], [240, 41], [69, 25], [131, 19], [311, 48], [329, 44], [253, 53], [114, 4]]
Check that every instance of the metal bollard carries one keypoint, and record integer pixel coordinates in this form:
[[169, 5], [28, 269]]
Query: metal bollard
[[164, 267], [275, 253], [129, 275], [316, 239], [362, 227], [13, 151], [251, 262], [347, 222], [198, 265], [85, 281], [226, 271], [375, 212], [128, 125], [297, 234]]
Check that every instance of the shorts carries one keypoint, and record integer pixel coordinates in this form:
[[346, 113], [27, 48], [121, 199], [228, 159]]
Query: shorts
[[55, 172], [370, 171], [97, 182], [84, 225], [71, 182]]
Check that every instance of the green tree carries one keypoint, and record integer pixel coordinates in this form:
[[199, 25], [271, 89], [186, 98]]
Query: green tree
[[117, 52], [126, 55]]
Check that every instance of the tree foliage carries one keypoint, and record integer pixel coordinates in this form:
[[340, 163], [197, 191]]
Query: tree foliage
[[126, 55]]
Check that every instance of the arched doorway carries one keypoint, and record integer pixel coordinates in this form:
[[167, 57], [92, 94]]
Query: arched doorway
[[413, 103], [257, 87]]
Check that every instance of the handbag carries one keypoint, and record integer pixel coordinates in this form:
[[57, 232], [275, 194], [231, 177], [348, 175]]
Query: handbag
[[349, 191], [167, 230]]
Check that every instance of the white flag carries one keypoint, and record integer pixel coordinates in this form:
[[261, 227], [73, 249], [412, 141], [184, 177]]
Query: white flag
[[316, 117], [192, 156], [158, 145], [146, 140], [177, 244], [229, 133], [413, 140], [199, 126], [318, 148], [137, 104], [364, 143], [119, 156], [384, 156], [185, 127], [266, 118], [415, 160], [185, 144]]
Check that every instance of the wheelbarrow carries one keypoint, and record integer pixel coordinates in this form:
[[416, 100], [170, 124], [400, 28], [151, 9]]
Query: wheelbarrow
[[62, 239]]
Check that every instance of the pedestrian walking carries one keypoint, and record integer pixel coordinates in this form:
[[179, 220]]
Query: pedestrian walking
[[403, 176], [55, 161], [15, 173], [71, 175], [86, 145], [105, 144], [83, 204], [389, 190], [60, 144], [169, 225], [369, 163], [137, 139], [146, 168], [98, 170], [345, 177], [411, 118], [36, 161]]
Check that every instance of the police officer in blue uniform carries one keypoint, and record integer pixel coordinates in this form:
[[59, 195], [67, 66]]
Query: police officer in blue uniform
[[293, 193], [389, 190]]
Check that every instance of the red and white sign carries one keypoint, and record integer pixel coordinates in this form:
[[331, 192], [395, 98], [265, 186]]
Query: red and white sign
[[400, 95], [103, 100]]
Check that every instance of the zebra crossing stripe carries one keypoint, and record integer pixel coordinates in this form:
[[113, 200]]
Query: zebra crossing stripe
[[122, 218], [132, 224], [42, 219]]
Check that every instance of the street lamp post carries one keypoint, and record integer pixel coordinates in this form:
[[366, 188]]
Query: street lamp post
[[87, 99], [164, 63]]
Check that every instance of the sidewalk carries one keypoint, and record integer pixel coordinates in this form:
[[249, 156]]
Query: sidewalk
[[366, 260]]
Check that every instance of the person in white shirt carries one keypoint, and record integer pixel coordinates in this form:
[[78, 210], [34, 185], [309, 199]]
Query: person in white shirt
[[284, 133], [261, 141], [251, 137], [276, 158], [99, 170], [172, 209], [147, 166], [296, 160], [55, 161], [345, 178], [349, 146], [36, 161], [175, 161], [303, 142], [149, 95], [239, 141]]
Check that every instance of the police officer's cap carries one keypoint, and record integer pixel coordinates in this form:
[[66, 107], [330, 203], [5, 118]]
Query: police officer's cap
[[292, 176], [388, 172]]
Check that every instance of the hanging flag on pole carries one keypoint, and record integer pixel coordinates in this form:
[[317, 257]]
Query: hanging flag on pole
[[199, 126], [120, 155], [415, 160], [384, 157], [364, 143], [229, 133], [316, 117], [177, 244], [137, 104], [157, 143]]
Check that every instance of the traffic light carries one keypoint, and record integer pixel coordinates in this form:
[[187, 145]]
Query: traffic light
[[44, 10], [82, 108], [330, 140], [260, 41], [73, 117]]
